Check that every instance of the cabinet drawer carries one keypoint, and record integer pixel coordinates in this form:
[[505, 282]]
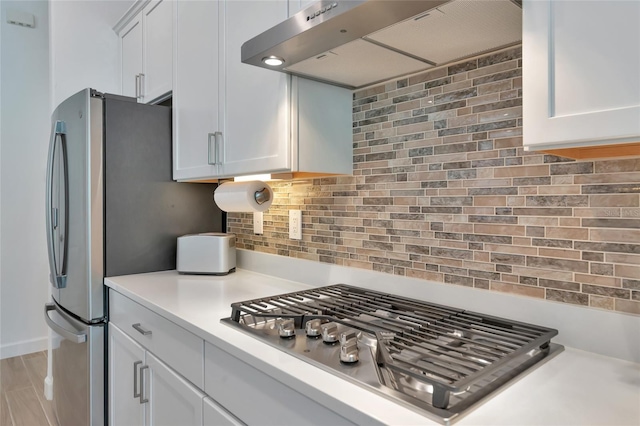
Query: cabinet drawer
[[236, 385], [177, 347]]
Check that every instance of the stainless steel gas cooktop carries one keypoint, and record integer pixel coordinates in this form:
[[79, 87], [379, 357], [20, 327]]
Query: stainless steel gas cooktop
[[439, 360]]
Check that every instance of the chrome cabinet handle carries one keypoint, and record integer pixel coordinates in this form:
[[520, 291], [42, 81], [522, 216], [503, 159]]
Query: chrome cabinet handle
[[136, 393], [218, 140], [137, 86], [212, 160], [69, 335], [143, 400], [140, 329], [214, 140], [142, 78]]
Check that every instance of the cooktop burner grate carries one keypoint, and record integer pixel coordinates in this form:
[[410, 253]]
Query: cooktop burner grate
[[429, 352]]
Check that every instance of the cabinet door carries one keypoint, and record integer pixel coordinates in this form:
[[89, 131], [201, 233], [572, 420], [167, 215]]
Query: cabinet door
[[235, 384], [131, 51], [172, 400], [255, 100], [322, 126], [581, 77], [296, 6], [125, 359], [215, 415], [195, 95], [158, 49]]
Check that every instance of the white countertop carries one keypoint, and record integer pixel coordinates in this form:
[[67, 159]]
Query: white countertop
[[575, 387]]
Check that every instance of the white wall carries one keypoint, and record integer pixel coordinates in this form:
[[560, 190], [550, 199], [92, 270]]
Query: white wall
[[24, 129], [84, 48], [72, 47]]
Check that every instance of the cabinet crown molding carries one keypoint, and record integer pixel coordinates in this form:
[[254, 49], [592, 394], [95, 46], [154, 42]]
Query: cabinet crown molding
[[135, 8]]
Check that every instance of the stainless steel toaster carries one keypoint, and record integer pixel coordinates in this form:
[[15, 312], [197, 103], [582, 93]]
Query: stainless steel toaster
[[211, 253]]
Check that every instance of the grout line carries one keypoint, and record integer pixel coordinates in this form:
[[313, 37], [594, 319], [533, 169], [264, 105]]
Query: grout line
[[43, 410], [6, 400], [39, 397], [39, 394]]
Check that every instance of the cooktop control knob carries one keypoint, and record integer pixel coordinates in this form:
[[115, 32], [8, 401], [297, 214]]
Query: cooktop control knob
[[349, 347], [286, 328], [330, 332], [313, 328], [347, 336]]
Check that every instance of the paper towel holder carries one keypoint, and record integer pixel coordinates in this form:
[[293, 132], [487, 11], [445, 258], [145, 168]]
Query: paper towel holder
[[262, 196], [241, 197]]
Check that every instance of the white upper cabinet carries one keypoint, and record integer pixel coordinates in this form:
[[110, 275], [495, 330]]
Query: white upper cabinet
[[229, 118], [131, 56], [233, 119], [158, 49], [296, 6], [321, 127], [255, 117], [147, 51], [195, 96], [581, 79]]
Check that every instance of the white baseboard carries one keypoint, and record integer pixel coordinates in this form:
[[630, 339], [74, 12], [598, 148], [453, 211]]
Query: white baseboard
[[24, 347]]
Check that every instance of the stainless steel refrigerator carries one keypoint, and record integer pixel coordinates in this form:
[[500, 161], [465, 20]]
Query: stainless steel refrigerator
[[111, 209]]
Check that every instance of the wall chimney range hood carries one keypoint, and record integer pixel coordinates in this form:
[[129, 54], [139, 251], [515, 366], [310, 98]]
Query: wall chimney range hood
[[356, 43]]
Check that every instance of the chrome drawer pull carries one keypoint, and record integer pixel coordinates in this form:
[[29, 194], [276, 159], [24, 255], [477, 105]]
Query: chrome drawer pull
[[140, 329]]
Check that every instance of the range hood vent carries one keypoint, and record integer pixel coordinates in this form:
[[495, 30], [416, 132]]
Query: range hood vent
[[358, 43]]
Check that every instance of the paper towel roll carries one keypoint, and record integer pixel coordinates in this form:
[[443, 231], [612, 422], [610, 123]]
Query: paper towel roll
[[241, 196]]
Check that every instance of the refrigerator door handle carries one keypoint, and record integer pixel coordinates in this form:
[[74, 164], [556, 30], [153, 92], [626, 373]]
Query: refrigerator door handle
[[69, 335], [50, 212], [58, 279]]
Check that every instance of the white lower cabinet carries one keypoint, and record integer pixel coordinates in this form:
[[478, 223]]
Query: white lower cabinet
[[215, 415], [125, 359], [149, 358], [172, 400], [149, 388], [145, 391], [258, 399]]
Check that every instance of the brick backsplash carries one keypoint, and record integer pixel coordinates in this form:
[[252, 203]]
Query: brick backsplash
[[442, 190]]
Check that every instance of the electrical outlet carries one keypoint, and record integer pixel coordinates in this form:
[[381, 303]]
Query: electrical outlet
[[295, 224], [258, 222]]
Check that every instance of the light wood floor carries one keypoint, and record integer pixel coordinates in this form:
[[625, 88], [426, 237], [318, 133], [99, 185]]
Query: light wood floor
[[22, 401]]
